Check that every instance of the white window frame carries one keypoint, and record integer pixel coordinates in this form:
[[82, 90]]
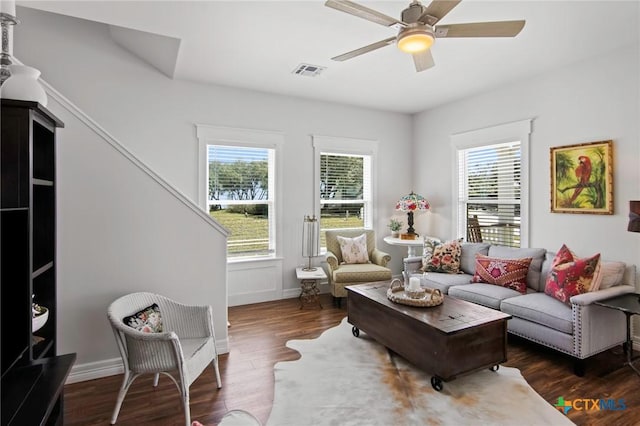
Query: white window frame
[[249, 138], [510, 132], [346, 146]]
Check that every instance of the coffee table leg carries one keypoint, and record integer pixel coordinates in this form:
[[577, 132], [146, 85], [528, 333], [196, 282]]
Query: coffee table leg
[[437, 383]]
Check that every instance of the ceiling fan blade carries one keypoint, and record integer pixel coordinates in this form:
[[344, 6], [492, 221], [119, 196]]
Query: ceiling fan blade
[[423, 60], [363, 12], [437, 9], [365, 49], [481, 29]]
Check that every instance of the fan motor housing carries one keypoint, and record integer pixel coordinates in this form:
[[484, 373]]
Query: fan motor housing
[[413, 12]]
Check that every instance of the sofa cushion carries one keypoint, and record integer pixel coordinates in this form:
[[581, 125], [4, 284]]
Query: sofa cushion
[[541, 309], [354, 250], [611, 274], [360, 273], [445, 258], [536, 255], [444, 281], [571, 277], [483, 294], [509, 273], [428, 247], [468, 256]]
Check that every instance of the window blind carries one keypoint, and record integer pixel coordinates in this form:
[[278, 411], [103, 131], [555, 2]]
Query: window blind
[[489, 193], [345, 191]]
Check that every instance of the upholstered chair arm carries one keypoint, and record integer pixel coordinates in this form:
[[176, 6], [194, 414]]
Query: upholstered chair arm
[[332, 261], [379, 257], [590, 297], [412, 264]]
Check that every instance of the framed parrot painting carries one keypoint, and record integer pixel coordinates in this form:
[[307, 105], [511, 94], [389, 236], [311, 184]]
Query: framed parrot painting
[[582, 178]]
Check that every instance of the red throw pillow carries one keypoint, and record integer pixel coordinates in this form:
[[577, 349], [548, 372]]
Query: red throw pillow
[[509, 273], [570, 275]]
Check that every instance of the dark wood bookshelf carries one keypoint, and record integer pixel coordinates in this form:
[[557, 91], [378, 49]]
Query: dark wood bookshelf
[[33, 374]]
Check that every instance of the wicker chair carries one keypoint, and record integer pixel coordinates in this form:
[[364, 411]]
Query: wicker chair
[[185, 347]]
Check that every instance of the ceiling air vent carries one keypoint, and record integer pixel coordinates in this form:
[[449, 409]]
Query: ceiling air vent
[[308, 70]]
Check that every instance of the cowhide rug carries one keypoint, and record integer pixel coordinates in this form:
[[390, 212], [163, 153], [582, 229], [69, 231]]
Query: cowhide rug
[[344, 380]]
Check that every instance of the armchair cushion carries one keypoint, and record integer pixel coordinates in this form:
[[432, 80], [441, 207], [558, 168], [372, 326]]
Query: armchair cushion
[[147, 320], [361, 273], [354, 250]]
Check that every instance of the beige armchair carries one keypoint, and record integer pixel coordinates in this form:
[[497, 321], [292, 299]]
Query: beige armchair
[[341, 275]]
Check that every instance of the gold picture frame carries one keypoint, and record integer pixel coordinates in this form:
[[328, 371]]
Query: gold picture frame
[[582, 178]]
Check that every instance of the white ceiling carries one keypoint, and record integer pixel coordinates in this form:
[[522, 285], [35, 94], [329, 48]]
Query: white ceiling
[[257, 44]]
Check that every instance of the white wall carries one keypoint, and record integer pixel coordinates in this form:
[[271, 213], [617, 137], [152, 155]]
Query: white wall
[[585, 102], [154, 117], [117, 234]]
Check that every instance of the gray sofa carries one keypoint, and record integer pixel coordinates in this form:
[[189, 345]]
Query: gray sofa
[[580, 330]]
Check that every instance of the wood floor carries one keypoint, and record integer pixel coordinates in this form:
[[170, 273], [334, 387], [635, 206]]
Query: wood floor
[[257, 339]]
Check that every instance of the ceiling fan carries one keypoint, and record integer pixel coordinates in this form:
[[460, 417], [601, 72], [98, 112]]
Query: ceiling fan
[[417, 30]]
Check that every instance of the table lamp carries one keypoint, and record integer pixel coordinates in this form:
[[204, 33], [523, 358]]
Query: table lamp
[[310, 240], [410, 203]]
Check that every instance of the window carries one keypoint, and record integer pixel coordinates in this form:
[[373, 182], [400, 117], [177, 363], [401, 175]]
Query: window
[[238, 187], [491, 185], [240, 197], [344, 182]]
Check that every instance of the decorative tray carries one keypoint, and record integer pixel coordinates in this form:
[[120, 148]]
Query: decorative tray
[[424, 297]]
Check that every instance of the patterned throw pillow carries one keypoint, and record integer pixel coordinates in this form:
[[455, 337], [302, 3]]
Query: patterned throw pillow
[[509, 273], [445, 258], [354, 250], [148, 320], [428, 248], [570, 275]]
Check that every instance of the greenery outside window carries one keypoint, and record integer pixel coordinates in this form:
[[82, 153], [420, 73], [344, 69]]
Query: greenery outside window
[[240, 197], [239, 182], [344, 182]]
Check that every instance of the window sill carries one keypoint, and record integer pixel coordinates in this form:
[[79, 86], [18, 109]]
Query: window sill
[[252, 259]]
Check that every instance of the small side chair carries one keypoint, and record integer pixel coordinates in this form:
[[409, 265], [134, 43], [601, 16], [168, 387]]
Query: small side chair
[[184, 347]]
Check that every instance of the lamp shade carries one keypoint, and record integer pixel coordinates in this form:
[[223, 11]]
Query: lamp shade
[[412, 202], [634, 216]]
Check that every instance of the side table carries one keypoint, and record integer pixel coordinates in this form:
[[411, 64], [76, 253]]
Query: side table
[[309, 285], [413, 246], [629, 304]]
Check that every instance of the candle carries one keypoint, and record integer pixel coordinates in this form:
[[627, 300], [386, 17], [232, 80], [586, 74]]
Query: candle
[[414, 283], [8, 7]]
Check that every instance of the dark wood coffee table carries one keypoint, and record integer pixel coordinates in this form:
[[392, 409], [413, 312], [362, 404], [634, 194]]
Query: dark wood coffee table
[[448, 340]]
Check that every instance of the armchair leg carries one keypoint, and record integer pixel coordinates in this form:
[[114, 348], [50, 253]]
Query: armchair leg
[[217, 369], [126, 382], [185, 403], [579, 367]]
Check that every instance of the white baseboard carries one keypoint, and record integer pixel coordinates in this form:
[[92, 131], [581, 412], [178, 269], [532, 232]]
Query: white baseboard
[[95, 370], [113, 366]]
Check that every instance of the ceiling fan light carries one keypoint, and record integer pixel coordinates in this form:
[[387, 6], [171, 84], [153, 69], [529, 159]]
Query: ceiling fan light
[[415, 40]]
